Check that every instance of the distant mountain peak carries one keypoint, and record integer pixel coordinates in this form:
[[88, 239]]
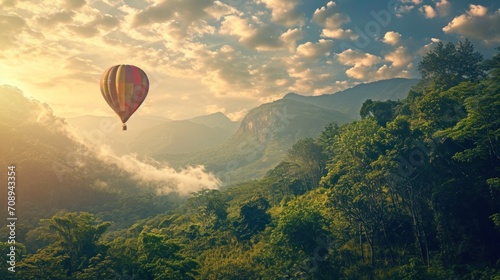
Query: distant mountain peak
[[291, 95], [219, 116], [217, 119], [349, 101]]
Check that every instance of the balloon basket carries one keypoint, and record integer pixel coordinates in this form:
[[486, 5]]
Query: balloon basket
[[124, 127]]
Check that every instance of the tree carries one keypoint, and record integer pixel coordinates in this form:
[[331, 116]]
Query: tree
[[299, 227], [75, 241], [448, 64], [19, 253], [46, 264], [382, 111], [253, 218], [210, 207], [493, 67], [308, 155], [161, 259], [77, 234]]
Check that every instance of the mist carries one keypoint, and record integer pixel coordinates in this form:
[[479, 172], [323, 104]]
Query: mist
[[148, 173]]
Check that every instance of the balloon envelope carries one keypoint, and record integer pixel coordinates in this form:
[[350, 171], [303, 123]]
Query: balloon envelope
[[124, 87]]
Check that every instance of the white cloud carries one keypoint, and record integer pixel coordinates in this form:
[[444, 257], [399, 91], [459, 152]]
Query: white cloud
[[389, 72], [263, 38], [416, 2], [285, 12], [428, 47], [169, 10], [477, 10], [428, 11], [235, 25], [391, 38], [405, 7], [315, 50], [219, 9], [339, 34], [362, 63], [162, 178], [290, 37], [477, 23], [332, 21], [365, 66], [359, 72], [442, 8], [357, 58], [399, 57]]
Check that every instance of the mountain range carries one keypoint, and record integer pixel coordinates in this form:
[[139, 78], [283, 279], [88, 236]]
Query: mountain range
[[267, 132]]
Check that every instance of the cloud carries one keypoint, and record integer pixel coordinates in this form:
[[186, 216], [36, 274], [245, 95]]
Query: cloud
[[74, 4], [428, 47], [187, 11], [10, 26], [444, 7], [362, 63], [391, 38], [148, 172], [476, 23], [357, 58], [285, 12], [219, 9], [246, 52], [327, 16], [428, 11], [477, 10], [179, 18], [226, 71], [290, 37], [315, 50], [56, 18], [365, 66], [332, 21], [416, 2], [262, 38], [9, 3], [399, 57], [404, 6], [389, 72], [162, 178], [339, 34], [305, 77]]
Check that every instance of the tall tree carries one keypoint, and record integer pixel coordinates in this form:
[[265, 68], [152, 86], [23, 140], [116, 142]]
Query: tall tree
[[161, 259], [75, 241], [448, 64], [209, 207], [253, 218]]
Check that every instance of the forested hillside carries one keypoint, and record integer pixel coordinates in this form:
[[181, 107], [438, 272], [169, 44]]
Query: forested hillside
[[269, 130], [410, 191]]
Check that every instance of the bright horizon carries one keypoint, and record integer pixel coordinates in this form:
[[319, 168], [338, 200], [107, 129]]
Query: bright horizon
[[225, 56]]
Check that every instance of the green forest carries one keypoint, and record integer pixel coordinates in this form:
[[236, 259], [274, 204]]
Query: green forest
[[409, 191]]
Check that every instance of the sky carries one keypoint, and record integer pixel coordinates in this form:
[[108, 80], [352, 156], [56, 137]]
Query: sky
[[206, 56]]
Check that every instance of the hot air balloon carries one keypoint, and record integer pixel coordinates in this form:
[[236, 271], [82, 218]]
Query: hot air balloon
[[124, 87]]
